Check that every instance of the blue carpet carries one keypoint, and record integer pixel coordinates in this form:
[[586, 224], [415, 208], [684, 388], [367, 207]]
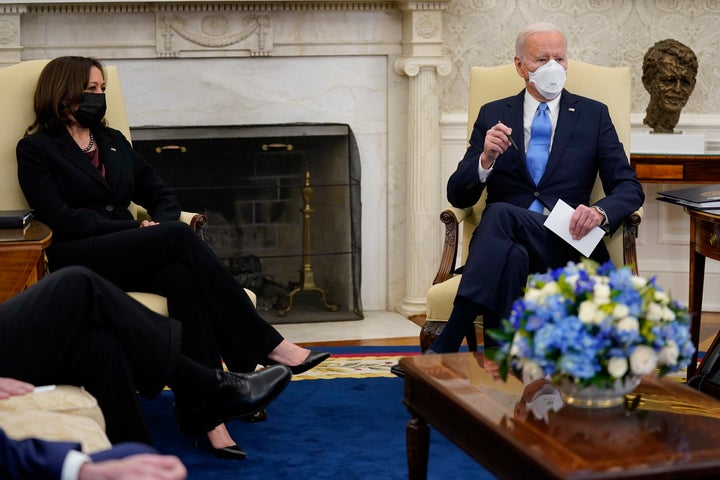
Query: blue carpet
[[350, 429]]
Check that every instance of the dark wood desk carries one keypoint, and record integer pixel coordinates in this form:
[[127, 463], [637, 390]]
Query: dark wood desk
[[674, 433], [704, 243], [657, 168], [704, 228], [22, 257]]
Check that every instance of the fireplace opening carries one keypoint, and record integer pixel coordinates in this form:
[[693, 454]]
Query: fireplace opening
[[283, 209]]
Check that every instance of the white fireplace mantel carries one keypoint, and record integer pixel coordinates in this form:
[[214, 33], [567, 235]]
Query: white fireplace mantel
[[370, 64]]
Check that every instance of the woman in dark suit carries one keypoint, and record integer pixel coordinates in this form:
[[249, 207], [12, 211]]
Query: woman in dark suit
[[74, 327], [80, 175]]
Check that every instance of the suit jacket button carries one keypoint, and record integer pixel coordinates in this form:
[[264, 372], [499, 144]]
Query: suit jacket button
[[536, 194], [109, 208]]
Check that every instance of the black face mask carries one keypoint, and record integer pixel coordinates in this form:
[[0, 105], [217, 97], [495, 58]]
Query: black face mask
[[91, 110]]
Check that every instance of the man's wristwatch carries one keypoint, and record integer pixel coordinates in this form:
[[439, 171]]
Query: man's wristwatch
[[601, 212]]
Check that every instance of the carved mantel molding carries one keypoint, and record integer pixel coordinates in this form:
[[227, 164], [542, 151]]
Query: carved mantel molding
[[197, 29]]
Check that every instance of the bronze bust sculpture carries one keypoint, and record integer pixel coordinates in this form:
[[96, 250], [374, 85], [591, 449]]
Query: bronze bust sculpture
[[669, 74]]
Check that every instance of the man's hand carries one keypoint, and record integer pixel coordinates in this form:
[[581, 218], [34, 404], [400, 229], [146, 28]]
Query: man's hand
[[135, 467], [497, 140], [583, 220], [148, 223], [10, 386]]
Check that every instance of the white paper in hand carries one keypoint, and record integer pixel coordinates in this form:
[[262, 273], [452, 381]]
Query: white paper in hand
[[559, 222]]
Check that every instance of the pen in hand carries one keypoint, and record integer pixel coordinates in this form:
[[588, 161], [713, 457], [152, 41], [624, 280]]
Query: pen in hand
[[511, 140]]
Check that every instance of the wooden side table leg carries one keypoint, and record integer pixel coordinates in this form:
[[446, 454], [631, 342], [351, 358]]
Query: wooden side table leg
[[417, 436], [697, 277]]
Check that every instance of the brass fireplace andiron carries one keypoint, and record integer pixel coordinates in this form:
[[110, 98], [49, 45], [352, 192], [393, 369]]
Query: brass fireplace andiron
[[307, 277]]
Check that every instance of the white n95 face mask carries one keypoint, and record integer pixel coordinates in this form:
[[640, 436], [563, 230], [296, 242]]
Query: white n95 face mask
[[549, 79]]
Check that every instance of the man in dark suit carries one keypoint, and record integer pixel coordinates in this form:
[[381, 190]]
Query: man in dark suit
[[526, 168], [34, 458]]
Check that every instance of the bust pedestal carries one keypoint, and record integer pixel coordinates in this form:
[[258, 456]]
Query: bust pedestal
[[681, 143]]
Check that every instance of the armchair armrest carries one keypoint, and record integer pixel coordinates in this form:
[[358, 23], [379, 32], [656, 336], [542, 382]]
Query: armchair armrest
[[630, 233], [196, 221], [451, 217]]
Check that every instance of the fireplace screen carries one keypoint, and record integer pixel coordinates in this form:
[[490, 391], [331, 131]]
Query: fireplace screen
[[283, 209]]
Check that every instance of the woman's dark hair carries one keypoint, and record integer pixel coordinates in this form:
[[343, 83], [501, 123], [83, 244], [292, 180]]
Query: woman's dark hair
[[59, 89]]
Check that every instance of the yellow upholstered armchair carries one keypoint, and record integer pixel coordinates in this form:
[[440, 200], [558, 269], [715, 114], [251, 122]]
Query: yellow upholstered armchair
[[605, 84], [17, 84]]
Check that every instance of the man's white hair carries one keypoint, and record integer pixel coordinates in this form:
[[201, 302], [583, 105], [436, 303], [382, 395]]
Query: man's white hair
[[539, 27]]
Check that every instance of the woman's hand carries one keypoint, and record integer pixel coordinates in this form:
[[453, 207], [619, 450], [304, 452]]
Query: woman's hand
[[10, 387], [148, 223]]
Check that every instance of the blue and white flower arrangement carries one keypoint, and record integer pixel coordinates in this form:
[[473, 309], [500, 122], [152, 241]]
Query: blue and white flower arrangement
[[593, 325]]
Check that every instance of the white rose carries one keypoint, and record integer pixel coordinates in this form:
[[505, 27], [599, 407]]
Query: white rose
[[533, 295], [531, 371], [643, 360], [620, 310], [654, 312], [628, 324], [586, 312], [668, 315], [617, 367], [638, 282], [661, 297], [669, 354], [550, 288], [601, 294]]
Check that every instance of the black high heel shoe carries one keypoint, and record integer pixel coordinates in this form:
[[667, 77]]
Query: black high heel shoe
[[313, 360], [233, 452], [239, 395]]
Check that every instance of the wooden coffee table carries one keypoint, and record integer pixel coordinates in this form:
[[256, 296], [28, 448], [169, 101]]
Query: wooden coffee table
[[674, 433]]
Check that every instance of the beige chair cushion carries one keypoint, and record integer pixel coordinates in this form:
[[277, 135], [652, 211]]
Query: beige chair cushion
[[158, 303], [438, 308], [65, 414]]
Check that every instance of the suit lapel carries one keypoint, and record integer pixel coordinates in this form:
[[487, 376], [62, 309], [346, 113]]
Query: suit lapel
[[111, 158], [76, 157], [514, 119], [568, 115]]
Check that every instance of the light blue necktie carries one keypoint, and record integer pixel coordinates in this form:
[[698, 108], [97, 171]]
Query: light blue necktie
[[539, 149]]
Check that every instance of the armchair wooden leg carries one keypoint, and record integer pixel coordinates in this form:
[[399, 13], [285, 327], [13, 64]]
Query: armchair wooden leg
[[429, 333], [432, 329]]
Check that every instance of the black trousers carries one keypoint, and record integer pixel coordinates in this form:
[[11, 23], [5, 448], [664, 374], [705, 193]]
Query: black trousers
[[219, 319], [76, 328]]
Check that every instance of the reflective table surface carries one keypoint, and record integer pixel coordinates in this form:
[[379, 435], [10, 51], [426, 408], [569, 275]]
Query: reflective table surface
[[665, 430]]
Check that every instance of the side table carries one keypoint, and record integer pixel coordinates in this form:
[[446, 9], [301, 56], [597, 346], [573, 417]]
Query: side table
[[676, 168], [704, 243], [22, 257]]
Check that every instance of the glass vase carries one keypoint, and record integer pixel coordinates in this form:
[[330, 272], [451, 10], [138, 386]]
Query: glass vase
[[593, 397]]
